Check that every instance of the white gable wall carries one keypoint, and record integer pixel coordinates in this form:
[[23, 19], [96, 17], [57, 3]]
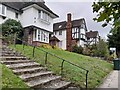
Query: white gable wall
[[26, 18], [62, 38], [9, 14], [41, 23], [30, 17]]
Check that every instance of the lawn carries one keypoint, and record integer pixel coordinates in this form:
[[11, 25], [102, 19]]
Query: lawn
[[9, 80], [98, 69]]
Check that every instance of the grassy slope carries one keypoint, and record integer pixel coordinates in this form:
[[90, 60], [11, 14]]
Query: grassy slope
[[98, 69], [9, 80]]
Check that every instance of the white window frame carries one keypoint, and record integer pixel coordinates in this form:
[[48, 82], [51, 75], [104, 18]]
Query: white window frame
[[1, 10], [43, 16], [60, 32], [41, 36]]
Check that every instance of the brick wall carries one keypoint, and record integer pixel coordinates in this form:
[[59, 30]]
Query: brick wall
[[69, 33]]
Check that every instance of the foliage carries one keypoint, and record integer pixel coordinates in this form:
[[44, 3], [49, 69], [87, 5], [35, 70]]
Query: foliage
[[107, 12], [46, 46], [114, 39], [77, 49], [98, 68], [99, 50], [12, 29], [102, 48]]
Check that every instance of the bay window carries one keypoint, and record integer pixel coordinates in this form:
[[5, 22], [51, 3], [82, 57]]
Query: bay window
[[40, 35]]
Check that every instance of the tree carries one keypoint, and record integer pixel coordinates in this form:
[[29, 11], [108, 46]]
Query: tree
[[114, 40], [107, 12], [11, 26], [11, 29], [102, 48]]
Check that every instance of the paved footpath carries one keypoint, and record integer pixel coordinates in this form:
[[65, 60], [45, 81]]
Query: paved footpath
[[112, 81]]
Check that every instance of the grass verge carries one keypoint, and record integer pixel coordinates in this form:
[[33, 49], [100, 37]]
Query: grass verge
[[9, 80], [98, 69]]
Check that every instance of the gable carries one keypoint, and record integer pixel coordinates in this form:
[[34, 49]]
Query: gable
[[19, 6]]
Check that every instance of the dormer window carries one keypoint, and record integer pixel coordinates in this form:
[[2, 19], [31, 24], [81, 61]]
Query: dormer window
[[2, 10], [60, 26]]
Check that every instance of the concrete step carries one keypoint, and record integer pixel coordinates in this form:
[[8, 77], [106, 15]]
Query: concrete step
[[29, 70], [11, 54], [39, 74], [12, 57], [58, 84], [39, 82], [22, 65], [7, 52], [15, 61]]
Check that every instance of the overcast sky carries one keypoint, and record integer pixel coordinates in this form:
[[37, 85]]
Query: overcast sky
[[78, 10]]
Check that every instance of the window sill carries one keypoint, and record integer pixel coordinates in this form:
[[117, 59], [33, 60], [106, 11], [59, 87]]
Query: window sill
[[3, 16], [46, 22], [40, 41]]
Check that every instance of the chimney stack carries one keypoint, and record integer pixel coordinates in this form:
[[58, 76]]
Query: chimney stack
[[69, 33]]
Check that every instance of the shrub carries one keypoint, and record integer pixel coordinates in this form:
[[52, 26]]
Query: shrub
[[77, 49], [46, 46], [86, 51]]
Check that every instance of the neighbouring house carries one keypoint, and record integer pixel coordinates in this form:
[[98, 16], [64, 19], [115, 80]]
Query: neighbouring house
[[69, 33], [92, 37], [35, 17]]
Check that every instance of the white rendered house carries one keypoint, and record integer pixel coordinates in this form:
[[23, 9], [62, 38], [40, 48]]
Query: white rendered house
[[35, 17]]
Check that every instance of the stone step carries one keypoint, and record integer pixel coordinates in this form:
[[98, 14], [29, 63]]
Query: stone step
[[29, 70], [13, 57], [28, 77], [15, 61], [58, 84], [22, 65], [35, 83], [7, 50], [11, 54]]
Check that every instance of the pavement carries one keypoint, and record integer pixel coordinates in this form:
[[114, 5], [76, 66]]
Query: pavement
[[112, 80]]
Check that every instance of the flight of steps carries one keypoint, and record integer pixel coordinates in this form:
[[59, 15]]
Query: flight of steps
[[32, 73]]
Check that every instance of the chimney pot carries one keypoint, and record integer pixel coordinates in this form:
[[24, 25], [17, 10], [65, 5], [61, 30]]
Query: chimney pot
[[69, 17]]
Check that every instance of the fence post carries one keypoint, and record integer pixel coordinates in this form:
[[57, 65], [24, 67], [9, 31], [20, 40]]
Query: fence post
[[46, 57], [33, 51], [87, 79], [62, 67]]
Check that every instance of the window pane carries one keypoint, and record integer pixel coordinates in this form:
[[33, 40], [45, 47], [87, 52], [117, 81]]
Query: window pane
[[39, 35], [0, 9], [3, 10], [39, 14], [60, 32]]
